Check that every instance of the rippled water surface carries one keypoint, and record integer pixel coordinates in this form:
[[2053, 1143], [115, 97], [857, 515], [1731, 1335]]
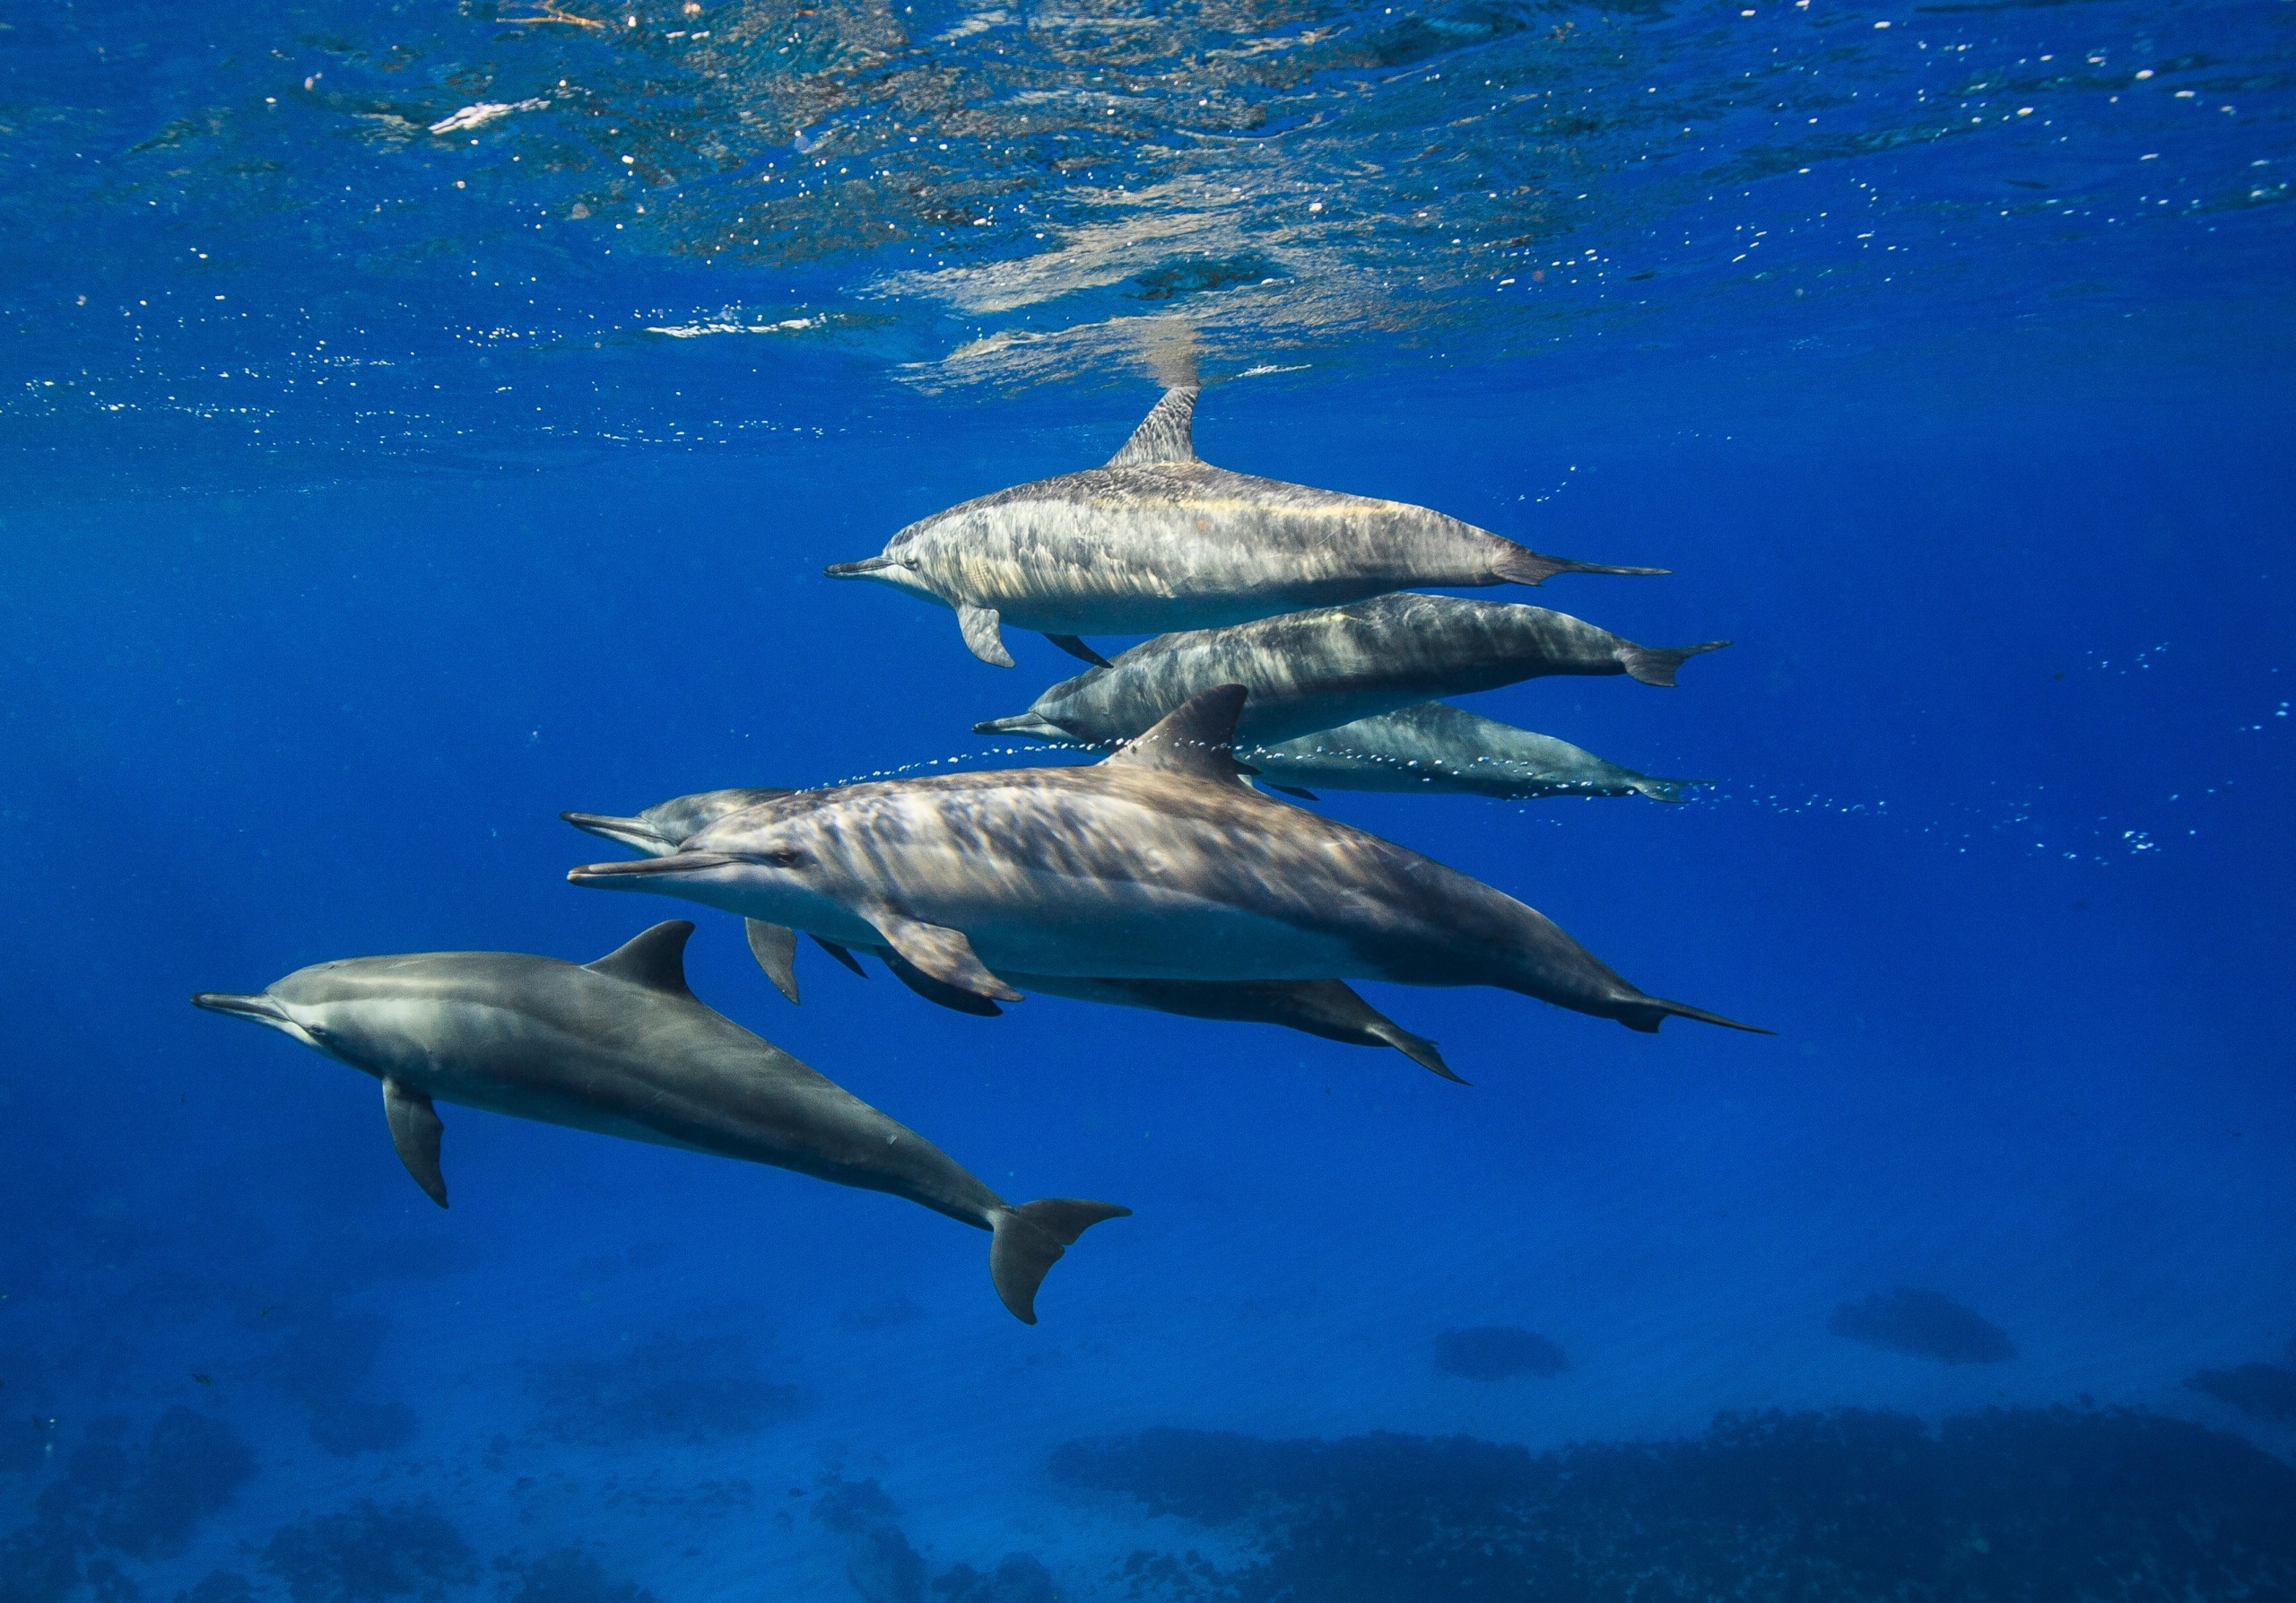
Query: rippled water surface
[[418, 420]]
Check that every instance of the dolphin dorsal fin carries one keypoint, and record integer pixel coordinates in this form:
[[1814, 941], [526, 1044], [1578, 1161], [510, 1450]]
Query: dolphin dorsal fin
[[655, 959], [1167, 435], [1196, 737]]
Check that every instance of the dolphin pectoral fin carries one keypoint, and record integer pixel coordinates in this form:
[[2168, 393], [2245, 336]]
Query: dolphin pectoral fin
[[1299, 791], [933, 991], [1031, 1237], [1167, 435], [1197, 737], [942, 953], [1076, 646], [415, 1130], [775, 947], [1656, 665], [1417, 1048], [983, 639], [842, 955]]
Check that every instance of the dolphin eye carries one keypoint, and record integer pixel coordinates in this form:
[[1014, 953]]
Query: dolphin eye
[[784, 857]]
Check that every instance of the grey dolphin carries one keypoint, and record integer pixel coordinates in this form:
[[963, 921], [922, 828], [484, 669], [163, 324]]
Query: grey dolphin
[[1317, 670], [1434, 748], [621, 1046], [1158, 540], [1321, 1007], [1156, 864]]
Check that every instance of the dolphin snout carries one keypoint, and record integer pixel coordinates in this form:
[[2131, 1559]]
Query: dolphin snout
[[634, 874], [1033, 725], [262, 1008], [857, 570], [633, 832]]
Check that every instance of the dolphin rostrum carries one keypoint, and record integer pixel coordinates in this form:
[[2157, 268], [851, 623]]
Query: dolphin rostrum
[[1317, 670], [1323, 1007], [1158, 540], [1434, 748], [1156, 864], [621, 1046]]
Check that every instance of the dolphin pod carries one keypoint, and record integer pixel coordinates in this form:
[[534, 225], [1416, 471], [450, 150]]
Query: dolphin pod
[[621, 1047], [1158, 878], [1321, 1007], [1436, 748], [1158, 540], [1157, 864], [1316, 670]]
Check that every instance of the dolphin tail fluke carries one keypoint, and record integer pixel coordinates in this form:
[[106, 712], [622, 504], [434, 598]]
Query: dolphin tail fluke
[[1664, 790], [1656, 665], [1649, 1013], [1521, 565], [1030, 1239]]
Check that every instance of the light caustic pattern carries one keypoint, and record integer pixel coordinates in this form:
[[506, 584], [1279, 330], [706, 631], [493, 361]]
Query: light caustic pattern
[[332, 226]]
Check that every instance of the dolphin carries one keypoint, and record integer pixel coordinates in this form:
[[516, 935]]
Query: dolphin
[[1321, 1007], [621, 1046], [1311, 671], [1433, 748], [1157, 864], [1158, 540]]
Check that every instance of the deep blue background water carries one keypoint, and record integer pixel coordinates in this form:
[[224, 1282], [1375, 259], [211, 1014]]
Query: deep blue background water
[[1997, 841]]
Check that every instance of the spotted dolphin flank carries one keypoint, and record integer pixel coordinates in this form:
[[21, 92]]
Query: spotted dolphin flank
[[1327, 1009], [1158, 540], [1437, 749], [1317, 670], [1155, 864], [622, 1047]]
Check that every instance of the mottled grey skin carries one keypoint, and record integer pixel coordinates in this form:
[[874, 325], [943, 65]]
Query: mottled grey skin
[[621, 1047], [1155, 864], [1317, 670], [1158, 540], [1319, 1007], [1433, 749]]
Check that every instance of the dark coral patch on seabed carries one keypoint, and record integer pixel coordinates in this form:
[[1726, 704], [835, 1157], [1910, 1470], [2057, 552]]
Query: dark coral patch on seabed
[[1923, 1325], [1496, 1352], [2260, 1390], [2006, 1506]]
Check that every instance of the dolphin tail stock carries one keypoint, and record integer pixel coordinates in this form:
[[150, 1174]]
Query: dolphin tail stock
[[1030, 1239], [1646, 1014], [1664, 790], [1656, 665], [1519, 564]]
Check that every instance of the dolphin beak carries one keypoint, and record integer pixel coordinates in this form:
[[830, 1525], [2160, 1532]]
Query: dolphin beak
[[637, 873], [1029, 724], [867, 565], [262, 1009], [632, 832]]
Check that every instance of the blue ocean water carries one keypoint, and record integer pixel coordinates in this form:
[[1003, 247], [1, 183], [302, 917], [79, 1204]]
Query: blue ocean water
[[423, 419]]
